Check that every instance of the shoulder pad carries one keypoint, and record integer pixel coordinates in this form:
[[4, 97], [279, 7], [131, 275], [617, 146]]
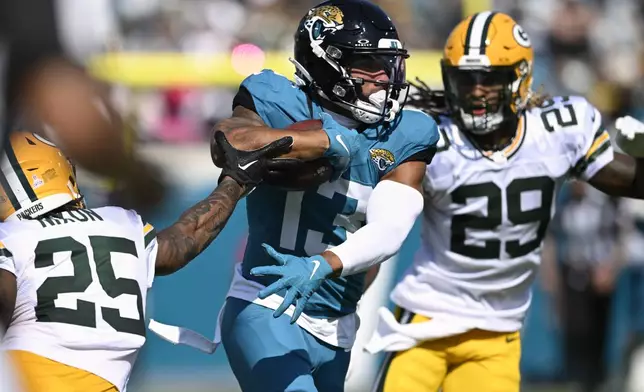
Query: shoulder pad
[[119, 215], [415, 133], [4, 230], [419, 127], [570, 114], [583, 134], [12, 228], [267, 80], [277, 100]]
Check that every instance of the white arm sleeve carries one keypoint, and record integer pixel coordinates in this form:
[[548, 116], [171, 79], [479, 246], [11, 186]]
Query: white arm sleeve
[[151, 248], [391, 213]]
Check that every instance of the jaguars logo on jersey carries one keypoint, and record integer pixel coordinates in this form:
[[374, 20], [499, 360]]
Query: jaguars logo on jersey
[[382, 158], [323, 20]]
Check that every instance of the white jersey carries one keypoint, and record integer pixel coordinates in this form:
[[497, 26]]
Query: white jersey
[[82, 278], [485, 215]]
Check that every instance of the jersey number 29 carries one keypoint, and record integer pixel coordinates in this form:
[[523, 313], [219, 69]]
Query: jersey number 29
[[493, 218], [85, 312]]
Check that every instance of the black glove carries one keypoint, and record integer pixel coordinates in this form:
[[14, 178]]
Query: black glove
[[295, 174], [248, 168]]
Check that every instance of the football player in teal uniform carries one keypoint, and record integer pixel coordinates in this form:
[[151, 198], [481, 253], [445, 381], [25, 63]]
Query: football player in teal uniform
[[290, 320]]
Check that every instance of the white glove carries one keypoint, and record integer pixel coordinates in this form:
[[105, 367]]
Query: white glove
[[630, 136]]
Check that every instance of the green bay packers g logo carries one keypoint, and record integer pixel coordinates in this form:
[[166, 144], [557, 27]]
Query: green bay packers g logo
[[521, 36], [382, 158]]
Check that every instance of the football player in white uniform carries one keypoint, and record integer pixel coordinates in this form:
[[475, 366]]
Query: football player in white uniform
[[489, 195], [73, 281]]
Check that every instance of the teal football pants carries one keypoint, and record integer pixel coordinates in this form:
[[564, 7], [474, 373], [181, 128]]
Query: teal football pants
[[269, 354]]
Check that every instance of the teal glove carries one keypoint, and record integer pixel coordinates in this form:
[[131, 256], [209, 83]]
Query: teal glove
[[301, 276]]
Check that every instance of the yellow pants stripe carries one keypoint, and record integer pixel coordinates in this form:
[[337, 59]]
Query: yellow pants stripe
[[40, 374]]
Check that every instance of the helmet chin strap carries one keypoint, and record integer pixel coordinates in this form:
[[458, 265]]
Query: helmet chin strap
[[370, 112], [381, 100]]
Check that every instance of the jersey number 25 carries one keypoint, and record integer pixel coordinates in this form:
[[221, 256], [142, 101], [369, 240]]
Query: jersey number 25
[[85, 312]]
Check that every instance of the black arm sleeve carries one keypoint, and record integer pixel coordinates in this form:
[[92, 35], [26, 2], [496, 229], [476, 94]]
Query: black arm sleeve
[[423, 156], [244, 99]]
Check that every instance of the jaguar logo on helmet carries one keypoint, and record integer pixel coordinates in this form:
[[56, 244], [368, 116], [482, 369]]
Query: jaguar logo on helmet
[[323, 20], [382, 158]]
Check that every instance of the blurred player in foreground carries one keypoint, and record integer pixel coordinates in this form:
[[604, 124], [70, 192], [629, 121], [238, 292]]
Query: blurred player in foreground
[[74, 281], [312, 245], [503, 154], [41, 86]]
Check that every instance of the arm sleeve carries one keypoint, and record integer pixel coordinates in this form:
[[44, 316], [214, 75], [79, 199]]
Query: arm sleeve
[[594, 149], [391, 214], [425, 155], [151, 248], [244, 99]]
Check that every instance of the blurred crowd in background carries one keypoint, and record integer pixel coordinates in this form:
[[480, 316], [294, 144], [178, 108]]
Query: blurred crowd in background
[[587, 47], [583, 47]]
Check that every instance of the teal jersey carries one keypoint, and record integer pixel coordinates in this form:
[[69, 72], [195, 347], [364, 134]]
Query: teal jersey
[[306, 223]]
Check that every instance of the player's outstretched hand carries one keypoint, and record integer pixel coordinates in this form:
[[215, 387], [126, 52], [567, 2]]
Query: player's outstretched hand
[[630, 136], [248, 168], [300, 276]]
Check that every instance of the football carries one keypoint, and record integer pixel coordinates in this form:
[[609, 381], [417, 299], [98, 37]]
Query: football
[[298, 175]]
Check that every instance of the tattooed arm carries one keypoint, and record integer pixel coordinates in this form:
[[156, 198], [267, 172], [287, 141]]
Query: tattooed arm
[[246, 131], [197, 228], [200, 225]]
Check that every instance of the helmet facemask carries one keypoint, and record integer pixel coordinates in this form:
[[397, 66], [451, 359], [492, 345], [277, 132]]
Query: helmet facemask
[[388, 70], [344, 89], [498, 100]]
